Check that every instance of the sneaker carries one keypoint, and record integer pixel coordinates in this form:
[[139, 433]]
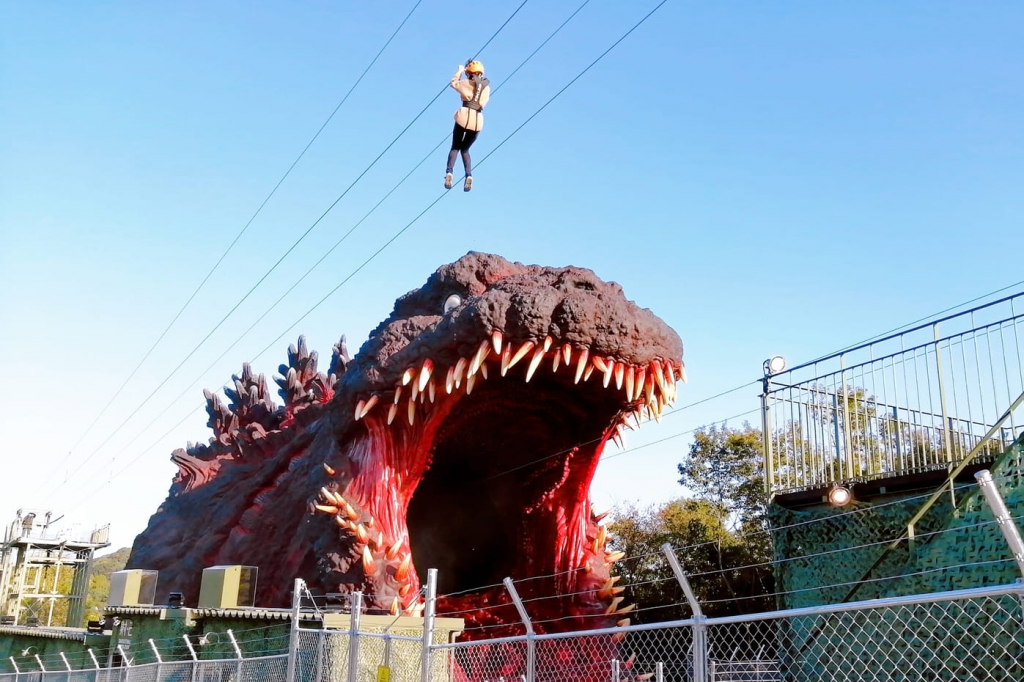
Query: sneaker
[[469, 184], [448, 181]]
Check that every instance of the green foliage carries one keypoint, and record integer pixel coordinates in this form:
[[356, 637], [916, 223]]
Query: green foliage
[[715, 533], [99, 584]]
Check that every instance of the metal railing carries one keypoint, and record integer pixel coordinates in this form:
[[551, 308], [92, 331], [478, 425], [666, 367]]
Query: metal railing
[[960, 635], [963, 634], [911, 402]]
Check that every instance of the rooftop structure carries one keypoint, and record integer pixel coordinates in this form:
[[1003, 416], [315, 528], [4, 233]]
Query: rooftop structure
[[45, 570]]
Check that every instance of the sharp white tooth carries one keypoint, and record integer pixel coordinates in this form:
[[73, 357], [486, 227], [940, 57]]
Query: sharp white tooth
[[367, 406], [614, 605], [581, 364], [682, 372], [521, 353], [649, 387], [636, 418], [620, 374], [538, 355], [554, 361], [430, 389], [425, 371], [656, 410], [449, 380], [481, 355], [659, 375], [506, 357], [567, 354], [599, 362], [588, 371], [641, 377], [415, 391], [496, 341], [359, 410], [671, 372], [629, 382], [547, 343], [483, 370], [392, 411], [407, 376], [609, 369], [460, 367], [470, 380], [398, 393], [412, 411]]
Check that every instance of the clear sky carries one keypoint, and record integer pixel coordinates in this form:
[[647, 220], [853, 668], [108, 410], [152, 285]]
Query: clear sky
[[768, 177]]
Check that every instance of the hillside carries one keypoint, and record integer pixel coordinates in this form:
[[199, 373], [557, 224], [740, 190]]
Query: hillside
[[99, 585]]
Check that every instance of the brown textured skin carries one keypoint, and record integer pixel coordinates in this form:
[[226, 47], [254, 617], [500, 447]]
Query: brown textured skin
[[245, 498]]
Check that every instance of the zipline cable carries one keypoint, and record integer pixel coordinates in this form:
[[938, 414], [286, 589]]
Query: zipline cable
[[240, 233], [345, 236], [280, 260], [424, 211]]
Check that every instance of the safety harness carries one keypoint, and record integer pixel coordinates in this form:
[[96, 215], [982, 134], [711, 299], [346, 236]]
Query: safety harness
[[478, 88]]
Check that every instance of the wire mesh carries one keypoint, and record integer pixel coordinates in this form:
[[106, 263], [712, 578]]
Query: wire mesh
[[482, 660], [967, 635], [400, 655], [629, 655], [971, 639]]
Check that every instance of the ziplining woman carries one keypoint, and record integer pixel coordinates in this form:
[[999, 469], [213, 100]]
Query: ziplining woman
[[475, 91]]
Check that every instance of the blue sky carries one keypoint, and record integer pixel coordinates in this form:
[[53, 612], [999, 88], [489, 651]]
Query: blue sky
[[785, 177]]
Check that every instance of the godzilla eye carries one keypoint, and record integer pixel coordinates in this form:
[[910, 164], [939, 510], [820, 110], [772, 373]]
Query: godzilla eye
[[451, 303]]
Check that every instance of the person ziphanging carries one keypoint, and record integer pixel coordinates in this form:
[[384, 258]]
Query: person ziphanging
[[475, 91]]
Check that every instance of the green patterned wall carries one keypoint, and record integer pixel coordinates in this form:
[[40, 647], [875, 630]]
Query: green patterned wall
[[828, 555], [823, 554]]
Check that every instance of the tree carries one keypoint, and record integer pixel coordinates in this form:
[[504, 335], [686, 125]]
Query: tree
[[726, 467], [717, 532]]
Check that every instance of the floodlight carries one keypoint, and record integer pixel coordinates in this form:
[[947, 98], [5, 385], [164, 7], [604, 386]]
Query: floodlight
[[776, 364], [839, 496]]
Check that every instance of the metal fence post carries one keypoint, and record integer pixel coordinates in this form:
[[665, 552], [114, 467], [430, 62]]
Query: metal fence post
[[14, 664], [531, 644], [615, 670], [766, 438], [995, 502], [355, 611], [238, 655], [93, 657], [40, 662], [159, 660], [942, 397], [700, 642], [195, 659], [293, 639], [428, 624]]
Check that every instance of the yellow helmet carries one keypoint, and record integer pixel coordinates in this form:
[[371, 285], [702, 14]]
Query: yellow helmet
[[475, 67]]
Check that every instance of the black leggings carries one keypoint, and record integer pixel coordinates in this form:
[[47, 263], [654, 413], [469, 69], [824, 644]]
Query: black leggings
[[462, 140]]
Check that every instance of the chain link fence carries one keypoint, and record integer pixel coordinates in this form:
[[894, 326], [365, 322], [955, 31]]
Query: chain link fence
[[975, 634]]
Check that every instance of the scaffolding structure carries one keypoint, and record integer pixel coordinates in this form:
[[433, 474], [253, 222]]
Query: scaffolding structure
[[35, 563]]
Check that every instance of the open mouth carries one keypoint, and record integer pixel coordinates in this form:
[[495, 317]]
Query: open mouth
[[480, 466]]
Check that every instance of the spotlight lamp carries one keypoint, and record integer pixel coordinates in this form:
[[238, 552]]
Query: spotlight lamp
[[774, 365], [839, 496]]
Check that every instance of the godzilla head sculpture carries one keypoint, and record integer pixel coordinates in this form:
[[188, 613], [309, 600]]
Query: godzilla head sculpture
[[463, 436]]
